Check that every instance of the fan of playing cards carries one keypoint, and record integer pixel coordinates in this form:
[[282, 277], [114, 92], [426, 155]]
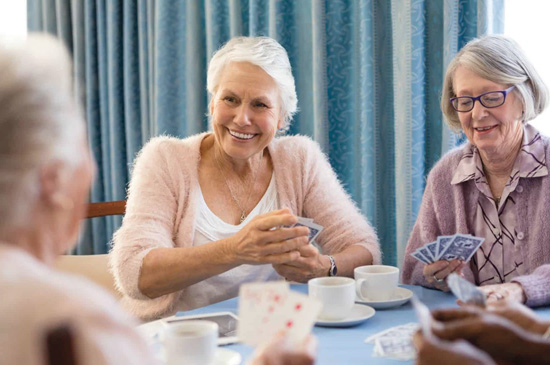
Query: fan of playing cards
[[314, 228], [457, 247]]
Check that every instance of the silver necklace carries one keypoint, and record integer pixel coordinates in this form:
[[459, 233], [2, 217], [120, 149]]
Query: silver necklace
[[243, 210]]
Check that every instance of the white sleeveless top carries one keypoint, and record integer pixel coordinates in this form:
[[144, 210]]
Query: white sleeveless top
[[208, 228]]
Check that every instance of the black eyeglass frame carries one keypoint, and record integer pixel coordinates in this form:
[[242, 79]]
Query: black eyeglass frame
[[478, 98]]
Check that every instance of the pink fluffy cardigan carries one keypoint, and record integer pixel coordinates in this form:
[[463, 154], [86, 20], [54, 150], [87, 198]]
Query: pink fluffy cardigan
[[448, 209], [163, 200]]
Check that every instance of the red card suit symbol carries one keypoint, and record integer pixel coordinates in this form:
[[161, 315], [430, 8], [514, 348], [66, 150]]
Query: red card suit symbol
[[298, 307], [289, 324], [277, 298], [270, 310]]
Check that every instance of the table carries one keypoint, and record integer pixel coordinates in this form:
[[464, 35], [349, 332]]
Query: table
[[346, 345]]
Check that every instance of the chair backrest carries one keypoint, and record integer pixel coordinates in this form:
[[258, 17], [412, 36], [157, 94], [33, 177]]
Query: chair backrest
[[94, 267], [104, 209]]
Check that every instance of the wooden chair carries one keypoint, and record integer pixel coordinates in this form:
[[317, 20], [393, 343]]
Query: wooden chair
[[94, 267]]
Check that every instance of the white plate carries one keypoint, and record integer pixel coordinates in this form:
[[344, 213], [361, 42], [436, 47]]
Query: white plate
[[223, 356], [400, 297], [359, 313]]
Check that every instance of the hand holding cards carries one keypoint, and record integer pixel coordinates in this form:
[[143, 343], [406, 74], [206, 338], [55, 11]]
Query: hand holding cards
[[458, 247], [465, 291], [268, 308], [314, 229]]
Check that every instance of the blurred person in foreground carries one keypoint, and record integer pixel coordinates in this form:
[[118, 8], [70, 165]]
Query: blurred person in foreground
[[507, 332], [210, 212], [496, 186], [45, 174]]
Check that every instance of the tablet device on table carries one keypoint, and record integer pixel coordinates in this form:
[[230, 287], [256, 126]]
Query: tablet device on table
[[227, 324]]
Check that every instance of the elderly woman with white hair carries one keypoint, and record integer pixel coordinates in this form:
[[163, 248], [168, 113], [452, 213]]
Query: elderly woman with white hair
[[45, 173], [497, 185], [212, 211]]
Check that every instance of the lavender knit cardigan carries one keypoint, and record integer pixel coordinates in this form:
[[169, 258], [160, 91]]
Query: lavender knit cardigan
[[163, 200], [448, 209]]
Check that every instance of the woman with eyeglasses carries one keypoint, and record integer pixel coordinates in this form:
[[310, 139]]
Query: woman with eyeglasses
[[497, 185]]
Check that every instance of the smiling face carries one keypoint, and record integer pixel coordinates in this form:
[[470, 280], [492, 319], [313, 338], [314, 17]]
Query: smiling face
[[245, 109], [489, 129]]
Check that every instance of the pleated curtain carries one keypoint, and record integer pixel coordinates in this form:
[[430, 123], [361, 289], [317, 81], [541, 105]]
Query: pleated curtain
[[368, 76]]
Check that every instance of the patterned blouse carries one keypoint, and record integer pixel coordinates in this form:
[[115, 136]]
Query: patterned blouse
[[499, 259]]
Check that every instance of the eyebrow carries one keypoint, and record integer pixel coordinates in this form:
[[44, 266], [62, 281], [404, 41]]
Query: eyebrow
[[262, 98]]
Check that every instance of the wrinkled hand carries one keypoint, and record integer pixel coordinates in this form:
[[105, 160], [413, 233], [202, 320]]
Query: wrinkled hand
[[264, 241], [508, 291], [310, 264], [495, 335], [436, 273], [280, 351], [431, 350], [514, 312]]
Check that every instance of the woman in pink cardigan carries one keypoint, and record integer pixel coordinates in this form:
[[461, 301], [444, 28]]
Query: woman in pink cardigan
[[212, 211], [497, 185]]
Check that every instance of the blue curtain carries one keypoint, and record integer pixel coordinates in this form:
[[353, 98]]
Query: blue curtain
[[368, 76]]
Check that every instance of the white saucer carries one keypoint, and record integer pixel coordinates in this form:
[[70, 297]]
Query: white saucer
[[359, 313], [227, 357], [223, 356], [400, 297]]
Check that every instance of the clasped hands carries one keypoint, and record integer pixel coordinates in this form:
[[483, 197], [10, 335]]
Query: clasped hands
[[268, 239], [505, 332]]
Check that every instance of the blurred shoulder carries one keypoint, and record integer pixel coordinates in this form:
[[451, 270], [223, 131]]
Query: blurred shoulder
[[297, 145]]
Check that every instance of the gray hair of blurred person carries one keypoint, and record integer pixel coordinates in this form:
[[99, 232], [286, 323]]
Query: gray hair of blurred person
[[263, 52], [40, 122], [501, 60]]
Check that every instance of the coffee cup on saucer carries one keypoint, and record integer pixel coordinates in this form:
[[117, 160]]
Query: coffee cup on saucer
[[376, 282], [337, 295], [190, 342]]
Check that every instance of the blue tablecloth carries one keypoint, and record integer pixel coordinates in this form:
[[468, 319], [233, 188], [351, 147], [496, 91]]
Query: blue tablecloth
[[346, 345]]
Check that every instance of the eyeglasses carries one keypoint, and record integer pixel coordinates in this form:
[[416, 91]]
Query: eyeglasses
[[491, 99]]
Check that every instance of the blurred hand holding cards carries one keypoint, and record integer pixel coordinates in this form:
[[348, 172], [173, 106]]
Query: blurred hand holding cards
[[458, 247], [269, 308], [465, 291], [314, 228]]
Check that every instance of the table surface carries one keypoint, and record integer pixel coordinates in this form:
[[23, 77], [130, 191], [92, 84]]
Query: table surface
[[346, 345]]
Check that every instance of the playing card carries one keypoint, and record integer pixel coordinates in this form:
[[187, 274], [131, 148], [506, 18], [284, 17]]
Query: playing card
[[257, 303], [426, 253], [314, 229], [462, 247], [424, 316], [466, 291], [406, 330], [398, 348], [433, 249], [267, 308], [417, 255], [442, 244]]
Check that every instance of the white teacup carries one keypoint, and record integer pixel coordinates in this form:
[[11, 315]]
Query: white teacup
[[190, 342], [337, 295], [376, 282]]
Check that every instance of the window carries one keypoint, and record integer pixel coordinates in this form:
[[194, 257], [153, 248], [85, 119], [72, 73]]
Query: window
[[13, 19], [527, 22]]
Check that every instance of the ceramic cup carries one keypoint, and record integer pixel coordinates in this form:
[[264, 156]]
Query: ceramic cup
[[190, 342], [376, 282], [337, 295]]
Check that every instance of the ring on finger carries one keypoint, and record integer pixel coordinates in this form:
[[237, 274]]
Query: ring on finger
[[438, 281]]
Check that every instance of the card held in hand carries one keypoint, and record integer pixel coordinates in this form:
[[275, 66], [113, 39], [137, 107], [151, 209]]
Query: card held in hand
[[267, 308], [466, 291]]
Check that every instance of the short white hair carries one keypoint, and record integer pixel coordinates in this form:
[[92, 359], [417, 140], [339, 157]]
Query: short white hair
[[501, 60], [263, 52], [40, 120]]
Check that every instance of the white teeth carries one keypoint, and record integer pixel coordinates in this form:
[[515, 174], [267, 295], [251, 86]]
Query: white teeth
[[484, 129], [241, 135]]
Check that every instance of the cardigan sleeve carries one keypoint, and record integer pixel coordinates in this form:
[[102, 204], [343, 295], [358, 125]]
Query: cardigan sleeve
[[536, 286], [326, 201], [149, 221], [425, 230]]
